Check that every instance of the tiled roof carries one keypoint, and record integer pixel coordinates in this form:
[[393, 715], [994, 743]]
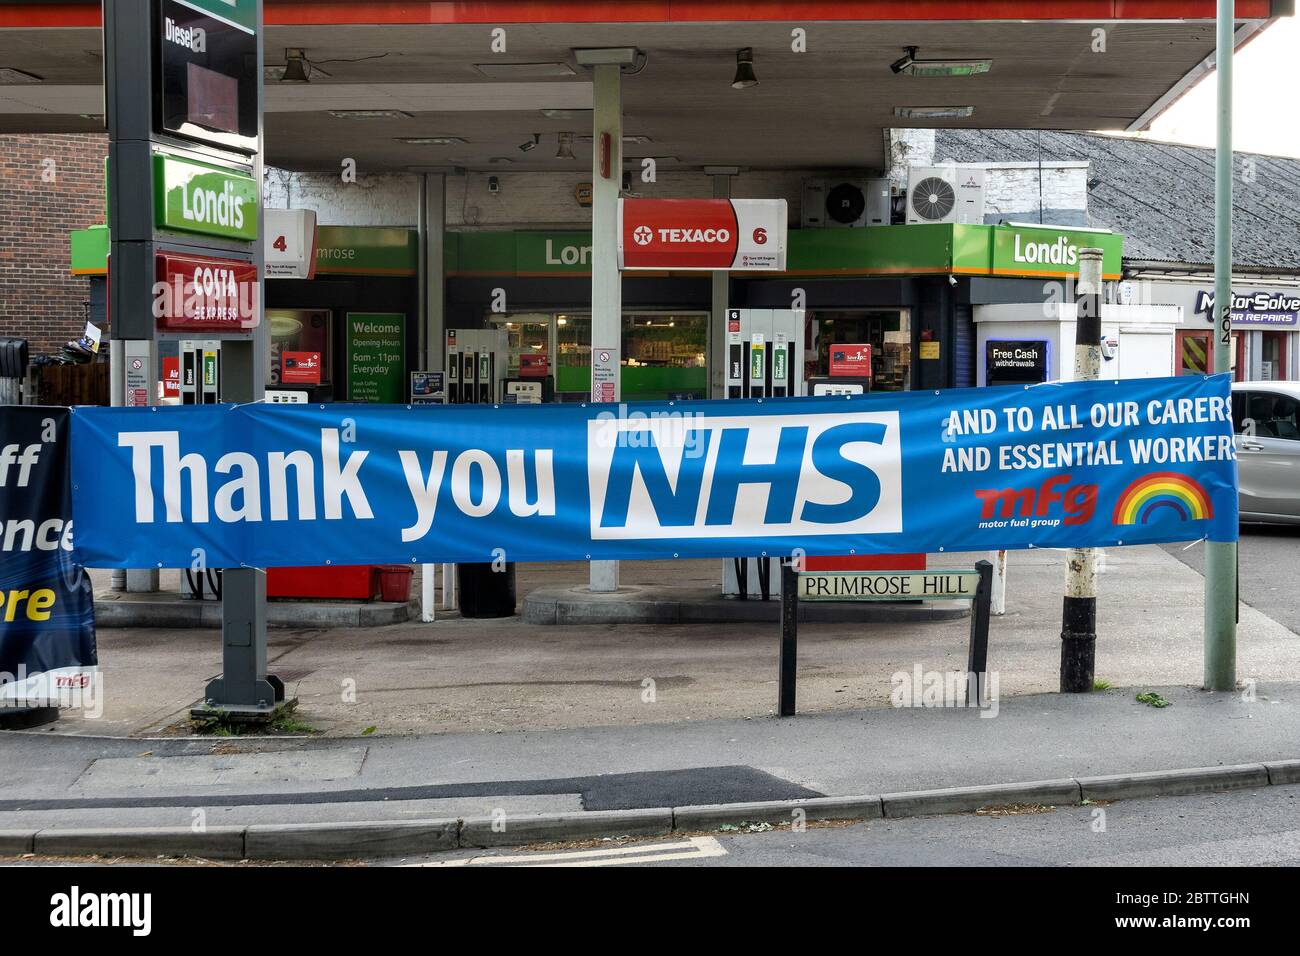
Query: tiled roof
[[1160, 196]]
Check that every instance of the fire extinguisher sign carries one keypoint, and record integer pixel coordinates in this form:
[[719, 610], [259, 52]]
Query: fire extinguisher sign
[[702, 234]]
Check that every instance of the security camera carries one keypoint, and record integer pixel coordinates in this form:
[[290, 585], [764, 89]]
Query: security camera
[[906, 60], [952, 280], [531, 144]]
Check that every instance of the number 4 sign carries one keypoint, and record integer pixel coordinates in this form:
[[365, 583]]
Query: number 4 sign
[[290, 248]]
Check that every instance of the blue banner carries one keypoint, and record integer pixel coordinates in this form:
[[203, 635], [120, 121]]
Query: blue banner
[[1055, 465], [47, 611]]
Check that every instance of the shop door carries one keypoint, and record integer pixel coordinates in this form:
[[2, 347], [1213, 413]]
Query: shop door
[[888, 333], [1272, 356], [1195, 353]]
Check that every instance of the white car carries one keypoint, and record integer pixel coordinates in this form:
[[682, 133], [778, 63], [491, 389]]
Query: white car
[[1266, 419]]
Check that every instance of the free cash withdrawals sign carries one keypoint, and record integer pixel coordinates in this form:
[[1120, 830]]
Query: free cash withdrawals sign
[[47, 613], [694, 234], [1081, 464], [376, 355]]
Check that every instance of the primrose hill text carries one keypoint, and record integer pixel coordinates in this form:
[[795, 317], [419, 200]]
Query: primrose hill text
[[1101, 418]]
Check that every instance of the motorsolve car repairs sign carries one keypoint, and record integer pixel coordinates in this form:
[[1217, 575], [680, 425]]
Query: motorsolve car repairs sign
[[211, 200], [695, 234], [376, 350], [1079, 465]]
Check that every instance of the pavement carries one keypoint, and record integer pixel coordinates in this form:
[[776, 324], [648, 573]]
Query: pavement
[[459, 675], [474, 733], [290, 797]]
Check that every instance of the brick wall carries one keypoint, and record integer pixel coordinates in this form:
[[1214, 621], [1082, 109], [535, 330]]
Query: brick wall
[[40, 299]]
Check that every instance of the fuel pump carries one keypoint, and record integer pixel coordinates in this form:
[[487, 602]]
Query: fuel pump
[[764, 360], [477, 362], [200, 361], [200, 384]]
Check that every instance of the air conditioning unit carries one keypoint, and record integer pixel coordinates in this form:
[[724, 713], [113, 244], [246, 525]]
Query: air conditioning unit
[[845, 203], [945, 194]]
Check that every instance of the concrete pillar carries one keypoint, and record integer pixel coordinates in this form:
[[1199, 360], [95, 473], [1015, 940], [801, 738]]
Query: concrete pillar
[[606, 281], [433, 270], [721, 291]]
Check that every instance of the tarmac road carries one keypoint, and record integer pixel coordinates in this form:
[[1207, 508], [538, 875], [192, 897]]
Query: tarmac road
[[1269, 557], [1245, 828]]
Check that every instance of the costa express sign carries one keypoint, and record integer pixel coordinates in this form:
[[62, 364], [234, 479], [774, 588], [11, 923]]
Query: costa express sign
[[699, 234], [203, 294]]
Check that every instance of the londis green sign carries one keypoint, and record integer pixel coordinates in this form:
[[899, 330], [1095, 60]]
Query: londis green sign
[[196, 197], [1048, 251], [239, 13]]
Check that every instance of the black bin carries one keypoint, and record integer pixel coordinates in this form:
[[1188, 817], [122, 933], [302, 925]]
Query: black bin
[[483, 592]]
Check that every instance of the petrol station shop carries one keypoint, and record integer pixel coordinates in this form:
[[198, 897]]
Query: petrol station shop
[[910, 298]]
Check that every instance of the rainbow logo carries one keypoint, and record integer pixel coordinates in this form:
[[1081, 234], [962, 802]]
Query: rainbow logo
[[1151, 493]]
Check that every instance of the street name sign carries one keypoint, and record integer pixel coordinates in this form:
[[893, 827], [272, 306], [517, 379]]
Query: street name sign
[[888, 585]]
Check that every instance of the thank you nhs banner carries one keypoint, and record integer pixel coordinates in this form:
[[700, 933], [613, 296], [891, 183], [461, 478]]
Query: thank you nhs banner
[[1074, 465]]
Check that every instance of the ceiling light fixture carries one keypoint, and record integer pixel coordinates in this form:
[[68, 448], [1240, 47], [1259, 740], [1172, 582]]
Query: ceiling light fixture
[[524, 71], [745, 77], [431, 140], [296, 67], [566, 147], [530, 145], [369, 114], [933, 112], [909, 63]]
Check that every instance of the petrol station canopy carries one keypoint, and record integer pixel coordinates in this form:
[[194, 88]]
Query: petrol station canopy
[[431, 73]]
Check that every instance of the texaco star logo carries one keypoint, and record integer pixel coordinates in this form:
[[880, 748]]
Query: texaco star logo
[[642, 235]]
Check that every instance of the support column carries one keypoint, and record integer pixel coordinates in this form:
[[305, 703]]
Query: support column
[[606, 281], [1221, 556], [721, 293], [432, 229]]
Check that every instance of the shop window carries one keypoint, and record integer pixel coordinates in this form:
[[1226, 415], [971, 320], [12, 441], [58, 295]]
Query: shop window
[[888, 333], [663, 353], [300, 330], [529, 342]]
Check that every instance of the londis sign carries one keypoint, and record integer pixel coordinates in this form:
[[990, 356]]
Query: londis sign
[[196, 197], [696, 234], [203, 294], [1048, 251]]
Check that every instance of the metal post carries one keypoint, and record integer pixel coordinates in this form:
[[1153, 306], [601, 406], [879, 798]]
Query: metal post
[[606, 281], [788, 670], [1221, 556], [721, 292], [433, 270], [999, 599], [977, 654], [1079, 609]]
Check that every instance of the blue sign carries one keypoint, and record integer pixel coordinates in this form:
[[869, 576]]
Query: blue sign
[[1052, 465], [47, 611]]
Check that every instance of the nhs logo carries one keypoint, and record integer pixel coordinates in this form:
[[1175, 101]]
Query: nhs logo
[[695, 475]]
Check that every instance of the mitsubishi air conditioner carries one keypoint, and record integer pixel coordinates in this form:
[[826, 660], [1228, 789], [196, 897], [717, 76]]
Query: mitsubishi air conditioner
[[845, 203], [945, 194]]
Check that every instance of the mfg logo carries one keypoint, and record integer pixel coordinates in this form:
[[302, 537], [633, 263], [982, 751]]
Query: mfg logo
[[724, 476], [1055, 501]]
